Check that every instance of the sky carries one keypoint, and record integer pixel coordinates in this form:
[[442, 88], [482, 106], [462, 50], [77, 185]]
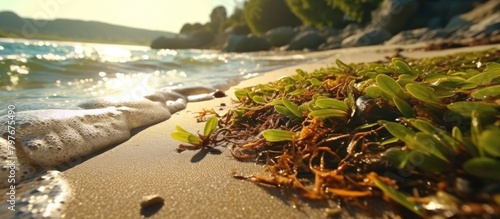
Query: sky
[[162, 15]]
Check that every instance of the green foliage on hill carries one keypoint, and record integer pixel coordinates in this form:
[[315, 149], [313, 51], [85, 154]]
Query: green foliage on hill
[[317, 13], [263, 15], [357, 10], [74, 30]]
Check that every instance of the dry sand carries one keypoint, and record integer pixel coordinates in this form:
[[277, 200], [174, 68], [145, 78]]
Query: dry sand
[[194, 185]]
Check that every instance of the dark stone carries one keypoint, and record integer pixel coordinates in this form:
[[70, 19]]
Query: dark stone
[[306, 40], [248, 43], [367, 37], [171, 43], [407, 36], [486, 27], [476, 15], [327, 32], [280, 36]]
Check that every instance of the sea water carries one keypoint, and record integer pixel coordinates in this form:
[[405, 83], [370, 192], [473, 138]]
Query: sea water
[[65, 100], [60, 101]]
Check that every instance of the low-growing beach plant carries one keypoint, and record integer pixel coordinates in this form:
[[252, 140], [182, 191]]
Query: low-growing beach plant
[[423, 132], [196, 141]]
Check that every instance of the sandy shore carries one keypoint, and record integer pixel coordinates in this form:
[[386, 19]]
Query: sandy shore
[[194, 185]]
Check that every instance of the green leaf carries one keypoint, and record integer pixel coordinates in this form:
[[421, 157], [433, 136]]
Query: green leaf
[[399, 197], [489, 141], [210, 126], [258, 100], [465, 108], [488, 92], [331, 104], [390, 86], [426, 144], [375, 92], [397, 157], [437, 133], [423, 93], [485, 78], [399, 131], [276, 135], [342, 65], [389, 141], [186, 137], [275, 102], [315, 82], [427, 163], [292, 107], [483, 167], [240, 94], [402, 66], [284, 111], [404, 107], [328, 113], [179, 129]]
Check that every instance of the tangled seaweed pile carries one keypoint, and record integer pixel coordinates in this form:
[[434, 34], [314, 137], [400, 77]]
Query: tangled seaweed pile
[[423, 133]]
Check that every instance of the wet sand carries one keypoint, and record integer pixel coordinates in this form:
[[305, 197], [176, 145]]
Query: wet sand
[[196, 184]]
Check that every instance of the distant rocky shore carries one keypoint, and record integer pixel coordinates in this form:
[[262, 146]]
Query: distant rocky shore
[[395, 22]]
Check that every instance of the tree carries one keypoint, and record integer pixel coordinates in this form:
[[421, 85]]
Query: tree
[[263, 15], [217, 18], [316, 12], [357, 10]]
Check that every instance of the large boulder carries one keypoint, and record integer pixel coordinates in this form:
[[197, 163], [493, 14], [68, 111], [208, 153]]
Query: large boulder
[[245, 43], [179, 42], [195, 40], [280, 36], [486, 27], [367, 37], [310, 39], [436, 13], [478, 14], [393, 15]]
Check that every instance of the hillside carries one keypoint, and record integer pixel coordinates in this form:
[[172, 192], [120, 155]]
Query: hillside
[[11, 25]]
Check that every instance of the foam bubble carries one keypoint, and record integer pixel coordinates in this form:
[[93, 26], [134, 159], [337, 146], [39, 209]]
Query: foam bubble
[[17, 161], [44, 197]]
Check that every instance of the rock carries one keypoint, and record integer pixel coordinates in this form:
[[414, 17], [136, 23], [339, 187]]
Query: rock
[[486, 27], [151, 204], [437, 34], [151, 200], [435, 14], [478, 14], [329, 32], [367, 37], [407, 36], [181, 41], [248, 43], [393, 15], [435, 22], [310, 39], [280, 36]]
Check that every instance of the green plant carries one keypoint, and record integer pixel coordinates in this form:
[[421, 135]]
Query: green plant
[[196, 141], [263, 15]]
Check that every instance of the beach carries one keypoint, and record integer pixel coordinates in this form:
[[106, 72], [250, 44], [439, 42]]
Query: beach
[[112, 184], [198, 184]]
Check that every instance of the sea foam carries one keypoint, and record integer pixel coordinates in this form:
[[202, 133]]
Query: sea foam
[[45, 139]]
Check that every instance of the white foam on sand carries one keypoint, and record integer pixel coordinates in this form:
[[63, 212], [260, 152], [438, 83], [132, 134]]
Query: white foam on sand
[[46, 197], [46, 139]]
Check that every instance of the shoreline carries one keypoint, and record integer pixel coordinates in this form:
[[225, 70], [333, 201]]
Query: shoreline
[[193, 183]]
